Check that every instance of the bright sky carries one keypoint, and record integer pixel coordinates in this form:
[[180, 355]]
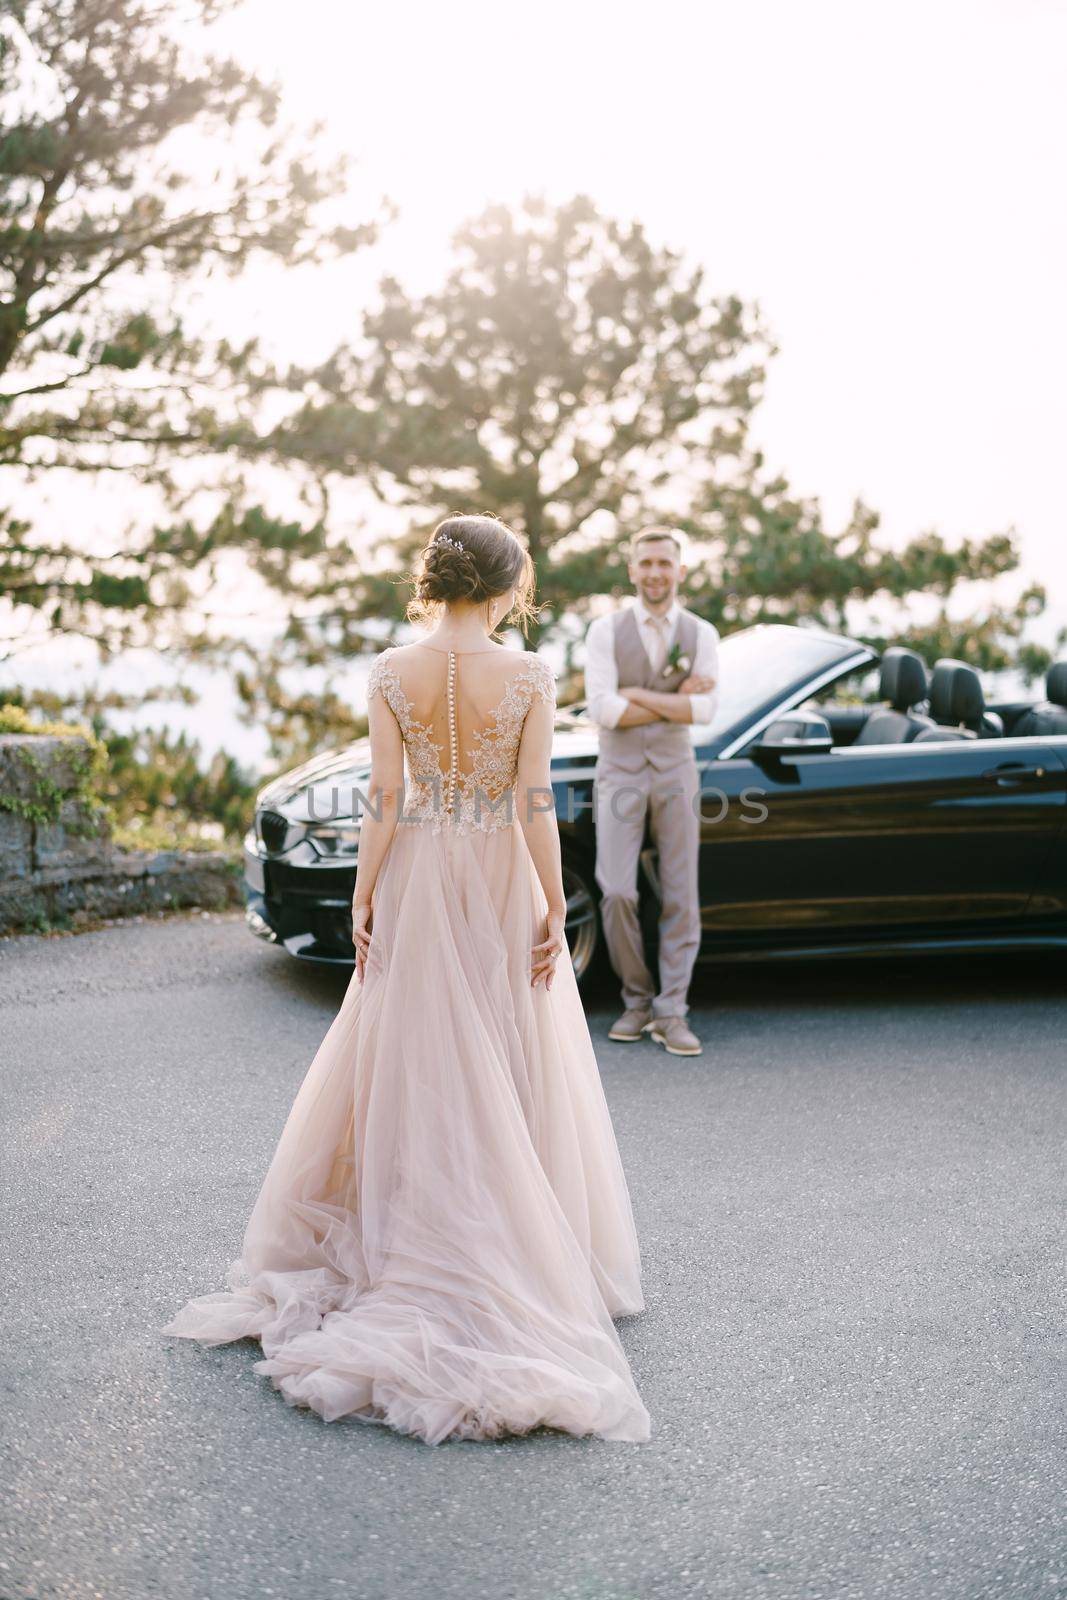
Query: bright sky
[[886, 179]]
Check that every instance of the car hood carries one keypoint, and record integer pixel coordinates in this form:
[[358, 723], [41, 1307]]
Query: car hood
[[334, 769], [349, 767]]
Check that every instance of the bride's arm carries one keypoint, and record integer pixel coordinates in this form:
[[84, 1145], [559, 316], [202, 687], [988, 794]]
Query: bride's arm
[[385, 793], [537, 818]]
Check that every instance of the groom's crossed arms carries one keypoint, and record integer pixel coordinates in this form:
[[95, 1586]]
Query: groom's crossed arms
[[672, 705], [614, 706]]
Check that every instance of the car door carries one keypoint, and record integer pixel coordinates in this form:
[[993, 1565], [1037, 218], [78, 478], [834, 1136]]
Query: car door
[[876, 841]]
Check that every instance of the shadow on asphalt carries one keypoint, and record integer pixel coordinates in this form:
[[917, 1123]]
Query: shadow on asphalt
[[902, 981]]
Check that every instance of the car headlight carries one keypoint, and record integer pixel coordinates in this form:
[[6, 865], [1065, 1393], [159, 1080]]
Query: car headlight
[[334, 840]]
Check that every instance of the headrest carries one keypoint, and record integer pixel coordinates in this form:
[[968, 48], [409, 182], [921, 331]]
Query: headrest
[[902, 680], [956, 693], [1056, 683]]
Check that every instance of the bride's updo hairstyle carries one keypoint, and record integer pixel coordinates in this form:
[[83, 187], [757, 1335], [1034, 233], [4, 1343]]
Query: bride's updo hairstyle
[[473, 560]]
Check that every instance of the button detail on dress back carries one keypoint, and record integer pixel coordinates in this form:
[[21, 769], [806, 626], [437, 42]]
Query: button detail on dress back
[[453, 741], [474, 801]]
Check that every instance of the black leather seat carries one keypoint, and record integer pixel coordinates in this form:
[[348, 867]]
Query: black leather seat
[[1051, 715], [957, 705], [902, 681]]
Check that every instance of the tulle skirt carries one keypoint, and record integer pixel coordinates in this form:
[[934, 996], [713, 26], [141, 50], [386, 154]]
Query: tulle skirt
[[444, 1234]]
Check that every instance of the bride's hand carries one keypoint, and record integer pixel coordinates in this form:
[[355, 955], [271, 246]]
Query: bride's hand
[[361, 918], [547, 953]]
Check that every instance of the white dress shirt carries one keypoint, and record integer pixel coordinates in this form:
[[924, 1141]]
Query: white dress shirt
[[606, 704]]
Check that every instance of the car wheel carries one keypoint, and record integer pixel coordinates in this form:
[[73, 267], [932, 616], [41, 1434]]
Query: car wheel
[[583, 919]]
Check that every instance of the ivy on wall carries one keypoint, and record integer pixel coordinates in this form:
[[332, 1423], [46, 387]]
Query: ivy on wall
[[86, 764]]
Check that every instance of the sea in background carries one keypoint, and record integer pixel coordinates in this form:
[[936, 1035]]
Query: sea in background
[[216, 719]]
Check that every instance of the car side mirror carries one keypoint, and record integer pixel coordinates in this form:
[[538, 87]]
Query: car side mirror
[[796, 733]]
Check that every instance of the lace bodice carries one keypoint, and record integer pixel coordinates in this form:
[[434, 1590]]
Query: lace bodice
[[464, 780]]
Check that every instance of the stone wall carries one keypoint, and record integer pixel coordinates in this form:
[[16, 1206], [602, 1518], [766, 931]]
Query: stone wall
[[58, 864]]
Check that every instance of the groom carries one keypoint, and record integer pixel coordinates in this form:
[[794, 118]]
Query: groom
[[650, 672]]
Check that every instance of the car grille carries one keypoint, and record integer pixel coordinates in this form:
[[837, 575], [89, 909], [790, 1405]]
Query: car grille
[[273, 830]]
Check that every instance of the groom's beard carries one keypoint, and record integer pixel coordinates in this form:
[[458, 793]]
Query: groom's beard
[[659, 594]]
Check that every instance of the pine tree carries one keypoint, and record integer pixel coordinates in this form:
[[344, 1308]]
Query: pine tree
[[569, 376], [121, 181]]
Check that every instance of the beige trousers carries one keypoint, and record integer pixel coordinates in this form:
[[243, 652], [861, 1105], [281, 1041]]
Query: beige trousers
[[669, 801]]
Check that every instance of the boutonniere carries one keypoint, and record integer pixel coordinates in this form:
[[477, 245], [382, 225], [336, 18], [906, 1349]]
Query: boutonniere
[[676, 662]]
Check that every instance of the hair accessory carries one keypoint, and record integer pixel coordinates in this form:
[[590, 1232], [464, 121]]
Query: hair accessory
[[444, 538]]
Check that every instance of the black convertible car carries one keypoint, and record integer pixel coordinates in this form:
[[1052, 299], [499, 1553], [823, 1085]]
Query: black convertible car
[[829, 826]]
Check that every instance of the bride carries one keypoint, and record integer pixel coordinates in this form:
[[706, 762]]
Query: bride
[[444, 1234]]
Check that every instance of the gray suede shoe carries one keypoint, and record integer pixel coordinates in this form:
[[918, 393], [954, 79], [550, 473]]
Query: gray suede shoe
[[676, 1037], [632, 1025]]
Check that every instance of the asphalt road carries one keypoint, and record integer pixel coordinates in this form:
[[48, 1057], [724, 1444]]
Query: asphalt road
[[849, 1211]]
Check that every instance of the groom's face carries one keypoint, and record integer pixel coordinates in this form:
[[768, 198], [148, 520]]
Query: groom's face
[[655, 572]]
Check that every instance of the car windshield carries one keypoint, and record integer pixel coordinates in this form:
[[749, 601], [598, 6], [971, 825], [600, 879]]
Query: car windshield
[[757, 663]]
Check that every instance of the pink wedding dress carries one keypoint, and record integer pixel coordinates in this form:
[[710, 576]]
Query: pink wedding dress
[[444, 1233]]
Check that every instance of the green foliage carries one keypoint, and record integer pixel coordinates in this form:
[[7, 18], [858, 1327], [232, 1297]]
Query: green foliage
[[88, 764], [568, 376], [157, 790], [101, 203], [15, 718], [763, 555], [162, 794], [990, 642], [298, 723]]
